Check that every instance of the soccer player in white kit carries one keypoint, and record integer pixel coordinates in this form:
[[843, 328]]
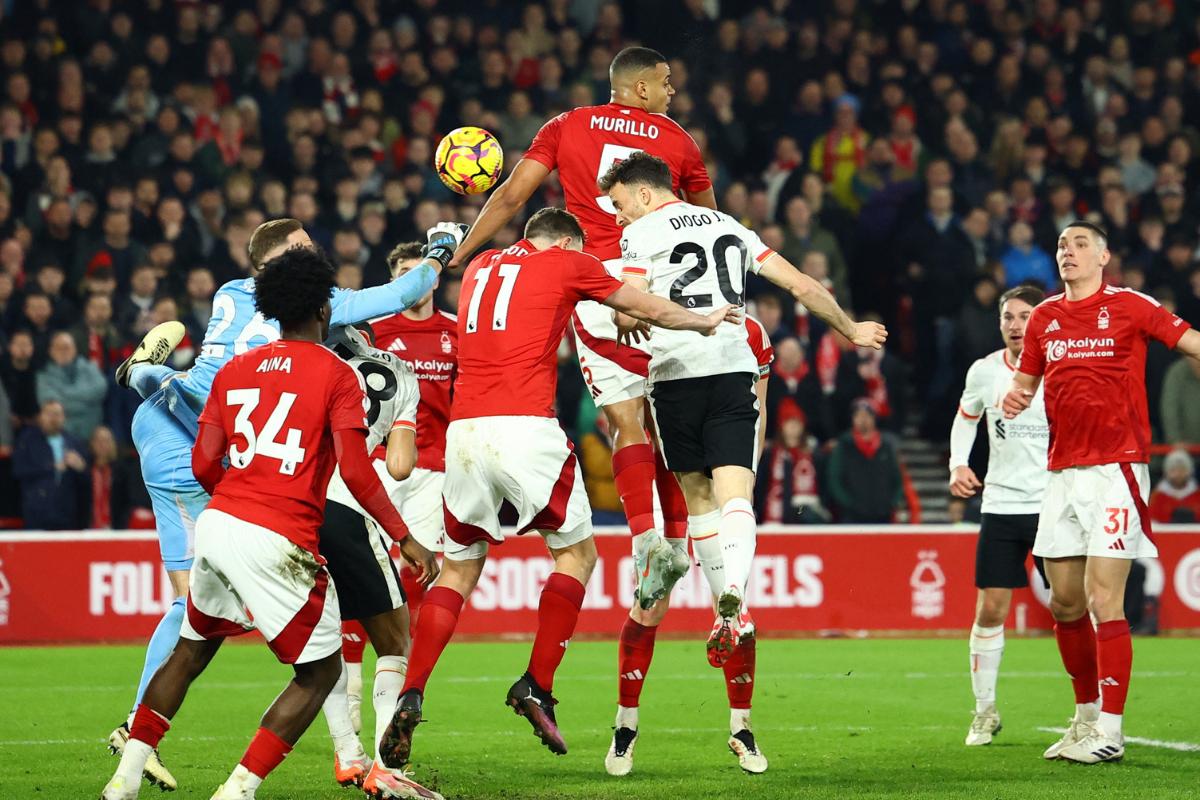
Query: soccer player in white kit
[[1088, 345], [703, 398], [1016, 480]]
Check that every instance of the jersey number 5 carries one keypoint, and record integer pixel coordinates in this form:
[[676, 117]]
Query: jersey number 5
[[720, 253], [289, 452], [508, 280]]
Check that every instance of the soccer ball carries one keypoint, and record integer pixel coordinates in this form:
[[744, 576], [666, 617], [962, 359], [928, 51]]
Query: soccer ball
[[468, 160]]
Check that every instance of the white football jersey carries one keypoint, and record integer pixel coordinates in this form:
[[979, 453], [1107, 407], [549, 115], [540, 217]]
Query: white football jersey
[[1016, 473], [391, 396], [698, 258]]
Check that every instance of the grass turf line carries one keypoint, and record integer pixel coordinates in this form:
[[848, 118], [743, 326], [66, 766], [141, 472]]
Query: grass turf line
[[836, 718]]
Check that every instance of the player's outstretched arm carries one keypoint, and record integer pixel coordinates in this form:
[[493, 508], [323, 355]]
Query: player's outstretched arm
[[350, 449], [704, 197], [665, 314], [817, 299], [503, 204], [207, 454], [1189, 344], [401, 452], [963, 480], [1020, 394]]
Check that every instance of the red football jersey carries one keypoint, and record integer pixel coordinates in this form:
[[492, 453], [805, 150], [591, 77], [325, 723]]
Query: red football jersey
[[512, 311], [430, 346], [279, 405], [760, 343], [583, 143], [1092, 356]]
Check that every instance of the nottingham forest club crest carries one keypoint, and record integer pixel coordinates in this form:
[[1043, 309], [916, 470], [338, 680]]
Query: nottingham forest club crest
[[1102, 318], [446, 344]]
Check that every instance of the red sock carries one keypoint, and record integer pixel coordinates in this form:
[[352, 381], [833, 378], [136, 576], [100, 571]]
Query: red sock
[[414, 593], [670, 498], [1114, 652], [435, 626], [739, 675], [635, 653], [633, 474], [149, 726], [558, 611], [1077, 646], [354, 641], [266, 752]]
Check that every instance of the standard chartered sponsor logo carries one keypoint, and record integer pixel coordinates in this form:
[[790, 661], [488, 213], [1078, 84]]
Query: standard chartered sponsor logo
[[1086, 347]]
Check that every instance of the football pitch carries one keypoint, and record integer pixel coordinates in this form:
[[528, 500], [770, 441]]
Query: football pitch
[[877, 718]]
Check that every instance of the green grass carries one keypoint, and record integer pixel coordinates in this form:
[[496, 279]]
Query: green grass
[[869, 718]]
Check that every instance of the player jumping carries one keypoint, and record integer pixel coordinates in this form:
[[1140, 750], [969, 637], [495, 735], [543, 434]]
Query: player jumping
[[164, 425], [582, 144], [703, 399], [641, 626], [1089, 346], [1016, 481], [283, 414], [504, 443], [427, 339]]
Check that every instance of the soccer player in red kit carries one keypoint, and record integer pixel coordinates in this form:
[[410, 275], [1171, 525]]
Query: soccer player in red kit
[[1088, 346], [582, 144], [427, 339], [504, 443], [283, 414]]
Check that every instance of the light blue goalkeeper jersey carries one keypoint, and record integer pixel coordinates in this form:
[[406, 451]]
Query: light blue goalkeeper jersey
[[236, 326]]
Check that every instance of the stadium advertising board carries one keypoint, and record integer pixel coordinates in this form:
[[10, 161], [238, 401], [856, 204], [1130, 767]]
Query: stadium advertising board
[[109, 586]]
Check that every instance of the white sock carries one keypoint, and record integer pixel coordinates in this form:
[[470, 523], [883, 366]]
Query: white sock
[[739, 719], [706, 545], [1089, 712], [245, 778], [389, 680], [354, 682], [737, 536], [1111, 724], [987, 648], [337, 715], [627, 717], [133, 761]]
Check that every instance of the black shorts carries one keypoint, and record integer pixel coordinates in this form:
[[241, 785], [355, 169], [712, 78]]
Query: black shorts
[[707, 422], [1005, 540], [366, 579]]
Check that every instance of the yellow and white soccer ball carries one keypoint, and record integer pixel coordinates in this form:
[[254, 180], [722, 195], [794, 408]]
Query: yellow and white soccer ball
[[468, 160]]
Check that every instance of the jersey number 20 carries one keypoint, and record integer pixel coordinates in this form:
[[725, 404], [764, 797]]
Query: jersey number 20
[[720, 254]]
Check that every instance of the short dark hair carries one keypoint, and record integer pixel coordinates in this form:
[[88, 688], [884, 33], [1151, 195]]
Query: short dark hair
[[294, 286], [405, 251], [268, 236], [634, 59], [1026, 292], [639, 169], [553, 223], [1099, 232]]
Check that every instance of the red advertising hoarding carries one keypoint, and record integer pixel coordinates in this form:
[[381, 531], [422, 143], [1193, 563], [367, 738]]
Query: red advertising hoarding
[[109, 586]]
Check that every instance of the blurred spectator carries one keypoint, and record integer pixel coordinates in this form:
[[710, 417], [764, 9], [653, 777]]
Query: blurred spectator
[[802, 235], [1180, 409], [864, 471], [595, 453], [841, 151], [116, 485], [1176, 498], [38, 320], [792, 378], [978, 332], [96, 337], [200, 288], [19, 375], [787, 491], [75, 383], [1025, 262], [135, 305], [50, 466], [876, 376]]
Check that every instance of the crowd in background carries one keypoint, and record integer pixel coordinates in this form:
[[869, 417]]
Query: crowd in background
[[916, 157]]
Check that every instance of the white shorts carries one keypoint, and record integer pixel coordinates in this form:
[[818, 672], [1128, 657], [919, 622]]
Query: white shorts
[[418, 498], [1097, 511], [246, 577], [612, 371], [527, 461]]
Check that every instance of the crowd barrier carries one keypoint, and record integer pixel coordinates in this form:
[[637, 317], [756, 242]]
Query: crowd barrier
[[90, 586]]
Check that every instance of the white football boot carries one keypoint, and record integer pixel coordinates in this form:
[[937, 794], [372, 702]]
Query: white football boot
[[155, 772], [750, 758], [1095, 745], [619, 760], [984, 726]]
